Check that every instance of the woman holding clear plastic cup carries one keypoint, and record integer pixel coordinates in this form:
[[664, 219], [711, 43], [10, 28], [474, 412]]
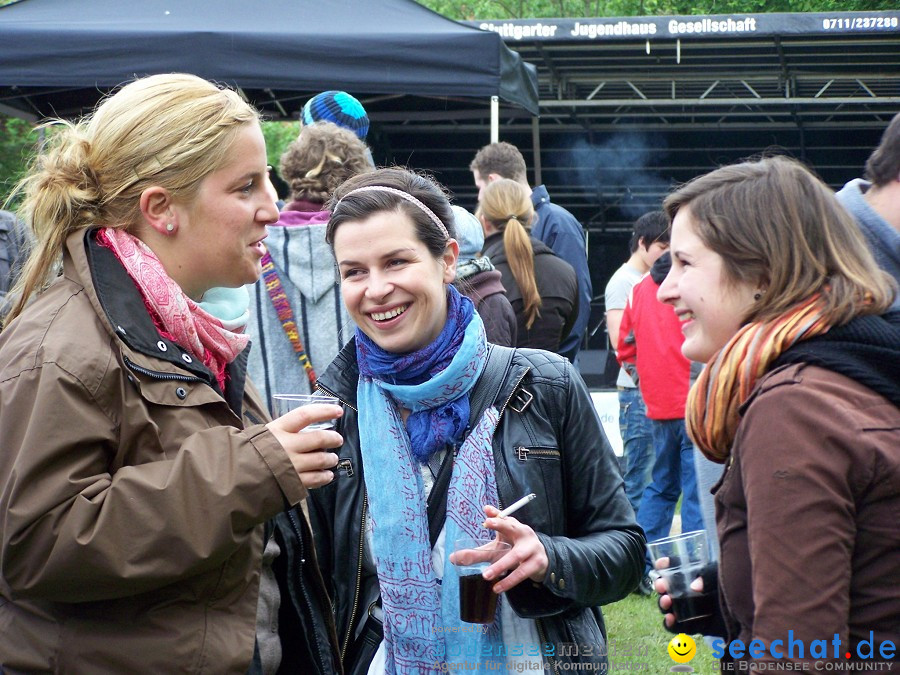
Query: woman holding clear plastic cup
[[780, 296], [152, 517], [440, 429]]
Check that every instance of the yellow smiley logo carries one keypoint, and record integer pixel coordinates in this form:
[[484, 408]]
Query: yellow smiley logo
[[682, 648]]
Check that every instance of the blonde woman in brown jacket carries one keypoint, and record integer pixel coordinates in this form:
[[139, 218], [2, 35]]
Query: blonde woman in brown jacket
[[139, 482]]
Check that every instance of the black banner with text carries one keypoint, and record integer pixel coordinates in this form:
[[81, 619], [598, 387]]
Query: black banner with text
[[668, 27]]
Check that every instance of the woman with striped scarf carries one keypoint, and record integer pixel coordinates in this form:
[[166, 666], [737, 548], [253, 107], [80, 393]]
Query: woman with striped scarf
[[779, 295]]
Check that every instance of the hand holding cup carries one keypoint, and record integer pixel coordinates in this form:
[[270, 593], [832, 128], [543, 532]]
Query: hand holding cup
[[680, 560], [303, 427], [477, 598]]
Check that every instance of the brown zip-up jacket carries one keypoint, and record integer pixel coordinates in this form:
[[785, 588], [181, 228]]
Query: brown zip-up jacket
[[133, 492], [807, 514]]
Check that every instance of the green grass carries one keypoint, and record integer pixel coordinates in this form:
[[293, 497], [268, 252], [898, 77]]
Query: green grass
[[636, 635]]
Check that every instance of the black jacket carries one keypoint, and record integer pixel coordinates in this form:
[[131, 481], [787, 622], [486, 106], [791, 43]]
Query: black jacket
[[482, 284], [555, 447], [557, 285]]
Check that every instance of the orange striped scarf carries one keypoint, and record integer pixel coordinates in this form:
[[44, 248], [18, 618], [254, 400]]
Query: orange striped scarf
[[726, 383]]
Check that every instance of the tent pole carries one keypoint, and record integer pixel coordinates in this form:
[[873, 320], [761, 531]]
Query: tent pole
[[495, 119], [536, 149]]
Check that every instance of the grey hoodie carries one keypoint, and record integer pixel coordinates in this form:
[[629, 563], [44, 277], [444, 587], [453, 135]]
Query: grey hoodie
[[305, 265]]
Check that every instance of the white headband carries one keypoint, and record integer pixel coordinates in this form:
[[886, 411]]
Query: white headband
[[403, 195]]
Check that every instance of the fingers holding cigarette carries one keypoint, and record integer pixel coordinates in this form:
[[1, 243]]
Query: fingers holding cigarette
[[512, 508], [526, 560]]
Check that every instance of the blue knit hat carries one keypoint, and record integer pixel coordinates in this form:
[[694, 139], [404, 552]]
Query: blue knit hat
[[338, 107], [469, 233]]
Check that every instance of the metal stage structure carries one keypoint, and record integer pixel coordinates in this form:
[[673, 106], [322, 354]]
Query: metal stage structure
[[631, 106]]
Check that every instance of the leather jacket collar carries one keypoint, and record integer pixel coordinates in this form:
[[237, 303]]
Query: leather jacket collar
[[342, 375]]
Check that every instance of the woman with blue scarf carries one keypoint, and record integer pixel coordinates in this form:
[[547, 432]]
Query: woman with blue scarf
[[425, 397]]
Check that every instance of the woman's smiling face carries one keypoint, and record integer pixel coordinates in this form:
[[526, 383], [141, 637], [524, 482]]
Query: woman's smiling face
[[392, 286], [710, 305]]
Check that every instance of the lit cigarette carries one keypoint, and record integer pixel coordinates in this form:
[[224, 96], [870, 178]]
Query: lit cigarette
[[515, 506]]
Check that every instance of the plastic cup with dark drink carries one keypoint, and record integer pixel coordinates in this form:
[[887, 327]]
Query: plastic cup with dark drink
[[679, 560], [477, 600]]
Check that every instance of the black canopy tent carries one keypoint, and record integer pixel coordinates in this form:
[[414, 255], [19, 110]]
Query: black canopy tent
[[57, 57]]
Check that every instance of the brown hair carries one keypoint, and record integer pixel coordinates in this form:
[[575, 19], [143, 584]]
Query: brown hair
[[363, 204], [776, 224], [506, 204], [323, 156], [166, 130], [883, 165], [503, 159]]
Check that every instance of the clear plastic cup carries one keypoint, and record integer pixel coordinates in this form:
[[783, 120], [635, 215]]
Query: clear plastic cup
[[284, 403]]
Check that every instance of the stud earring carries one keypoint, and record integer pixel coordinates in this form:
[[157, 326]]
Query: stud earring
[[170, 227], [758, 295]]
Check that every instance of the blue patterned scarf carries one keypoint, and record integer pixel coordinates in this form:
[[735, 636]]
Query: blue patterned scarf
[[431, 425], [421, 617]]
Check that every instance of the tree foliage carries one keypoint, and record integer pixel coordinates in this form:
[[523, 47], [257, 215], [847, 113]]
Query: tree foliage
[[279, 135], [18, 140]]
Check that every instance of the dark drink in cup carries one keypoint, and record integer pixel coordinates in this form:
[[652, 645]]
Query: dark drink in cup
[[686, 603], [680, 559], [692, 605], [477, 600], [471, 557]]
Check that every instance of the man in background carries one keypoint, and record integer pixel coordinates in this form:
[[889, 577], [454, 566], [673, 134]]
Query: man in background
[[649, 240], [649, 348], [875, 202], [553, 225]]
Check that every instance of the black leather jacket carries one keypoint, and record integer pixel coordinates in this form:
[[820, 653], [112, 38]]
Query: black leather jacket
[[549, 441]]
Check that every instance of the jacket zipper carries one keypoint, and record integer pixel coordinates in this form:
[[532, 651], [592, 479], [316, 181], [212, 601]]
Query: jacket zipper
[[542, 636], [500, 504], [362, 534], [170, 377], [537, 622], [362, 538], [319, 387], [296, 528], [523, 453]]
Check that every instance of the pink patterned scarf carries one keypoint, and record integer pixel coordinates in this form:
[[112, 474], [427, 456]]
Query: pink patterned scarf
[[176, 316]]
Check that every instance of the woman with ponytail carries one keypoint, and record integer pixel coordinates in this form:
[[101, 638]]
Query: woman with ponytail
[[437, 425], [542, 288], [149, 512], [781, 298]]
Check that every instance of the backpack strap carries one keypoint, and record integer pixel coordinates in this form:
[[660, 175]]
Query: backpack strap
[[286, 316]]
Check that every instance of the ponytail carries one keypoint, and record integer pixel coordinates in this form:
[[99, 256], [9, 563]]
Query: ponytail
[[521, 263], [163, 130], [61, 195], [507, 205]]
